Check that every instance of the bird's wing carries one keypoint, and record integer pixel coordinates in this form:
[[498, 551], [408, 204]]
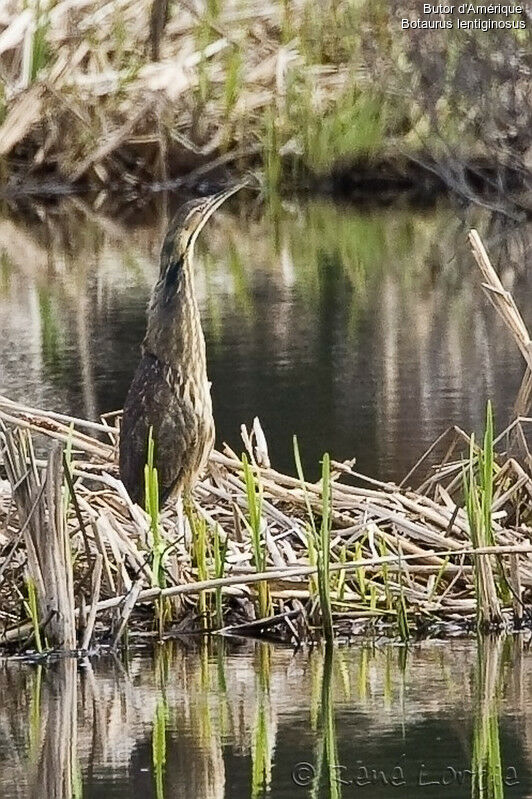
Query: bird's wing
[[154, 401]]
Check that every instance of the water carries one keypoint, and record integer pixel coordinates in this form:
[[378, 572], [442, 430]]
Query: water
[[361, 329], [251, 720]]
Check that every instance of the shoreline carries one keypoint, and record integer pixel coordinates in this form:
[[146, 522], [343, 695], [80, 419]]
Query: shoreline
[[341, 102]]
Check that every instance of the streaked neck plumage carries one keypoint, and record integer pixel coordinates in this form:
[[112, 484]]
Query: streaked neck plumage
[[174, 333]]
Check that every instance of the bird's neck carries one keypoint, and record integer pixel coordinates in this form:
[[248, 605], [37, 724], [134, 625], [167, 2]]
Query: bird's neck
[[174, 334]]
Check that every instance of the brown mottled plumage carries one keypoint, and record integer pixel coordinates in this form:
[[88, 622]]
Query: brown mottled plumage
[[170, 391]]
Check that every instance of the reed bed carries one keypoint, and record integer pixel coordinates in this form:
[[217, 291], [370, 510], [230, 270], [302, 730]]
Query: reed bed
[[257, 552], [397, 556], [117, 95]]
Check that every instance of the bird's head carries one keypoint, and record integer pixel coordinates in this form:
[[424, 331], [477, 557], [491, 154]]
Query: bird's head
[[185, 228]]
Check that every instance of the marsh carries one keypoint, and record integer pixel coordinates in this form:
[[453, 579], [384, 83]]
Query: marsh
[[363, 329]]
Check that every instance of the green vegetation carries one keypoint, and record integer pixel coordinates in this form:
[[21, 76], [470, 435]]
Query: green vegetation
[[220, 557], [320, 541], [254, 526], [33, 612], [351, 130], [151, 499], [40, 51], [324, 550], [321, 87], [478, 488], [198, 527]]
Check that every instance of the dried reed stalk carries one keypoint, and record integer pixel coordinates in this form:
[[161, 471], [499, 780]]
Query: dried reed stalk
[[420, 541], [41, 512], [502, 300]]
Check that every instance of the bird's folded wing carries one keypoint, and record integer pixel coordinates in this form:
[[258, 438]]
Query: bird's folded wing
[[154, 400]]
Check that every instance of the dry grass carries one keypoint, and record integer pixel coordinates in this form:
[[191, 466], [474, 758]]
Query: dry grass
[[135, 92], [387, 542]]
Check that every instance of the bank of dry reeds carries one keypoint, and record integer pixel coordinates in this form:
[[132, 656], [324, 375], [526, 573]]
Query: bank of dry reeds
[[117, 95], [397, 555]]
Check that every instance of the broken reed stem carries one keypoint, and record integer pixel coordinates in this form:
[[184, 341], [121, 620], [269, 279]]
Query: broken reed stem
[[501, 299], [41, 513]]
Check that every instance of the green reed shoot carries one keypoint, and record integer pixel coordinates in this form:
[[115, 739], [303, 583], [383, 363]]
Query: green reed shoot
[[151, 500], [151, 494], [254, 525], [373, 596], [33, 612], [312, 555], [198, 527], [401, 609], [478, 492], [322, 538], [479, 489], [301, 476], [402, 618], [439, 576], [220, 559], [312, 532], [340, 583], [324, 551], [40, 49], [383, 552], [361, 572]]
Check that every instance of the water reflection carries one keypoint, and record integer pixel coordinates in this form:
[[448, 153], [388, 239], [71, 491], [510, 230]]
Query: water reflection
[[487, 769], [52, 752], [249, 720], [328, 769], [364, 331], [264, 728]]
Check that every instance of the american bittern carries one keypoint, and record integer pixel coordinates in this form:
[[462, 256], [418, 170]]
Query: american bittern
[[170, 392]]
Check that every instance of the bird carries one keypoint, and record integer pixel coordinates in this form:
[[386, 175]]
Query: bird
[[169, 397]]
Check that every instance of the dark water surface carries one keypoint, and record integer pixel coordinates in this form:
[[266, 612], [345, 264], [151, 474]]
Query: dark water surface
[[363, 330], [249, 720]]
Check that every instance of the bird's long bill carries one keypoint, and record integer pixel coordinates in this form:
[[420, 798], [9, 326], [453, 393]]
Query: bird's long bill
[[215, 201]]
